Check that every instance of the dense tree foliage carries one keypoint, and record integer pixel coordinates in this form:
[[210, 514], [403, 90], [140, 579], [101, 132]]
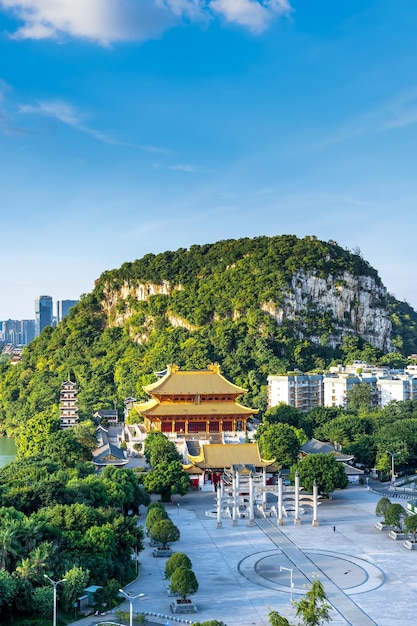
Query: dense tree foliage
[[167, 479], [328, 473], [278, 442], [183, 582], [66, 522], [178, 559], [164, 531], [211, 303], [395, 515]]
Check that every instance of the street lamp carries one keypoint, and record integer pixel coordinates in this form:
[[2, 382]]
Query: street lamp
[[55, 584], [131, 599], [392, 455], [288, 569]]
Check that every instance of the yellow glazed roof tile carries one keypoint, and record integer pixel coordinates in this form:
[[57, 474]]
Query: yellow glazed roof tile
[[211, 409], [193, 382]]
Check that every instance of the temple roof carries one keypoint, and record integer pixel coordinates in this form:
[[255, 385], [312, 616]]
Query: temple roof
[[314, 446], [224, 455], [211, 409], [193, 382]]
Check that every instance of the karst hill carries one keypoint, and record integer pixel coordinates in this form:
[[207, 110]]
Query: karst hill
[[256, 306]]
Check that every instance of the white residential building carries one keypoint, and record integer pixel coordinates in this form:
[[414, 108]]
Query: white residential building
[[302, 391]]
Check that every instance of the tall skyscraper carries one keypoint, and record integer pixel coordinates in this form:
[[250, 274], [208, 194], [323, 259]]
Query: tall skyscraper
[[63, 307], [28, 331], [43, 313]]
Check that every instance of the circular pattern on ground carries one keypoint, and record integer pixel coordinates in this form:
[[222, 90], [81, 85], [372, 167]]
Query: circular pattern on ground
[[351, 574]]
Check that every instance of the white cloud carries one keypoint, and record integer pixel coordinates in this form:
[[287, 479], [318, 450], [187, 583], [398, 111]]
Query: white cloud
[[250, 13], [107, 21]]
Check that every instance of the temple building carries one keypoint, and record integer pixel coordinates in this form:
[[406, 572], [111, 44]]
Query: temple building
[[194, 402], [216, 462]]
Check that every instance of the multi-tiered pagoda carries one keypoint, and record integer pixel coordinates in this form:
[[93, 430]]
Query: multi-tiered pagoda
[[194, 402], [68, 405]]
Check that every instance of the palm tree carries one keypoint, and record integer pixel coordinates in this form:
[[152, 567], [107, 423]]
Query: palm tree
[[9, 545]]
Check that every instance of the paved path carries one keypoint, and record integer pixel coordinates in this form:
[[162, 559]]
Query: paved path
[[369, 578], [310, 568]]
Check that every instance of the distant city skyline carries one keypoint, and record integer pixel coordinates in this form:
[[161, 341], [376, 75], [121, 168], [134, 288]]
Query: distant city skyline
[[138, 127]]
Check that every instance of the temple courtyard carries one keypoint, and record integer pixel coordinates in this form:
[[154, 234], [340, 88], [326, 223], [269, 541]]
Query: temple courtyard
[[368, 577]]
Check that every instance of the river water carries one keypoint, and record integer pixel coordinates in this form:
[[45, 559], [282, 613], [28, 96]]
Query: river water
[[7, 451]]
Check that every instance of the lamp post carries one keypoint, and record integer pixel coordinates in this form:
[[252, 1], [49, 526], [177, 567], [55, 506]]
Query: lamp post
[[55, 584], [392, 455], [131, 599], [288, 569]]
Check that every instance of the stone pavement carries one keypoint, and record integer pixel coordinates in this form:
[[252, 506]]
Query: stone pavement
[[369, 578]]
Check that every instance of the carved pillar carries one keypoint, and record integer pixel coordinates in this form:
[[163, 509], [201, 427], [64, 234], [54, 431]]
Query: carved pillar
[[251, 500], [279, 512], [234, 512], [297, 500], [315, 521], [264, 488], [219, 507]]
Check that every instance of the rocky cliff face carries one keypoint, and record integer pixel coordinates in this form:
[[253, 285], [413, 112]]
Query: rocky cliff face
[[356, 304], [352, 304]]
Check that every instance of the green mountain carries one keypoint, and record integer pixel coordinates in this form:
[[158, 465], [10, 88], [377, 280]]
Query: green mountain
[[256, 306]]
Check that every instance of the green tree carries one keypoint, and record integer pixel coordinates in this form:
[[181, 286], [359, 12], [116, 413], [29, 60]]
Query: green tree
[[382, 506], [360, 397], [275, 619], [328, 473], [178, 559], [410, 524], [43, 600], [155, 515], [183, 582], [165, 532], [167, 480], [314, 608], [280, 442], [7, 589], [395, 516], [76, 579], [284, 414]]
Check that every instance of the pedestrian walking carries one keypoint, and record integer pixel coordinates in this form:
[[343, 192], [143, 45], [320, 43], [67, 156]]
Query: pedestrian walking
[[334, 529]]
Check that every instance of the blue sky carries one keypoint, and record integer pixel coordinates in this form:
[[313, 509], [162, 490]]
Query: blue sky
[[136, 126]]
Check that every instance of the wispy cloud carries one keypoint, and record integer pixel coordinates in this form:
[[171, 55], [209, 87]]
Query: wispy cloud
[[107, 21], [70, 116], [7, 124], [183, 167]]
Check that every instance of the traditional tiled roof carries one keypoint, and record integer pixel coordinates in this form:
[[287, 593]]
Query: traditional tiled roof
[[224, 455], [177, 409], [314, 446], [193, 382]]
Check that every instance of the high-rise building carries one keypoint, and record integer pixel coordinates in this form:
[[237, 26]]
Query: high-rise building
[[43, 313], [63, 307], [28, 331]]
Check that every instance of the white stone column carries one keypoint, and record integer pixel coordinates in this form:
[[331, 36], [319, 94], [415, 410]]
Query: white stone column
[[315, 521], [251, 500], [279, 512], [297, 500], [234, 511], [264, 488], [219, 507]]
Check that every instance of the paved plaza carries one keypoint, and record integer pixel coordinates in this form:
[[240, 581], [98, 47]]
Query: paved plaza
[[369, 578]]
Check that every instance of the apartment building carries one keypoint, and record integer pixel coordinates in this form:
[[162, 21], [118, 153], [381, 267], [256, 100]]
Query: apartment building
[[302, 391]]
